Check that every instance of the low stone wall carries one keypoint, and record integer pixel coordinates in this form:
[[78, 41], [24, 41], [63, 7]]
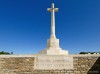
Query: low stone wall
[[15, 65], [87, 65], [24, 64]]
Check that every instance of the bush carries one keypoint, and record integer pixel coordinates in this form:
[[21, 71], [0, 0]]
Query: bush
[[88, 52], [2, 52]]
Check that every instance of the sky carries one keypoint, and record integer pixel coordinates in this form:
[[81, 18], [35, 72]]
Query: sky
[[25, 25]]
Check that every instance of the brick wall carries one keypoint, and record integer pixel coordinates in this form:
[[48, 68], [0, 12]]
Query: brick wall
[[25, 65]]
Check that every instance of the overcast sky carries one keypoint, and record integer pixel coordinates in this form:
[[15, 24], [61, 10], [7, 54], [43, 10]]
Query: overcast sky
[[25, 25]]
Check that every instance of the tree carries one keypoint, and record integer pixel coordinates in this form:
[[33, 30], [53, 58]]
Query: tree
[[83, 53], [2, 52], [89, 52]]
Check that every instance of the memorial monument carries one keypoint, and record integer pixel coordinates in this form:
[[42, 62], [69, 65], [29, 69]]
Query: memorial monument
[[53, 47], [52, 60]]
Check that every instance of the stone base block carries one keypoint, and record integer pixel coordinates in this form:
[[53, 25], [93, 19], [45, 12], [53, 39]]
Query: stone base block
[[54, 51]]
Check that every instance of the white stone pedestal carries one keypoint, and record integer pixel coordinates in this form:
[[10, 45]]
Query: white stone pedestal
[[53, 48], [54, 52]]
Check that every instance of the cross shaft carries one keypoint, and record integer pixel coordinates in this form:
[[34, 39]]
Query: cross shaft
[[52, 10]]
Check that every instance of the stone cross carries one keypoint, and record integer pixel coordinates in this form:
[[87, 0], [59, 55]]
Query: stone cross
[[53, 47], [52, 10]]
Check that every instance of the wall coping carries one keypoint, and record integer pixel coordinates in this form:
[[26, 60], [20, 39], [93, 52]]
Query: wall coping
[[36, 55]]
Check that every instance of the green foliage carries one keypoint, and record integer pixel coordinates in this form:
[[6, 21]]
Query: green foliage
[[89, 52], [83, 53], [2, 52]]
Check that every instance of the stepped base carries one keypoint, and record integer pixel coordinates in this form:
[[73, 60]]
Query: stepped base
[[53, 47], [54, 51]]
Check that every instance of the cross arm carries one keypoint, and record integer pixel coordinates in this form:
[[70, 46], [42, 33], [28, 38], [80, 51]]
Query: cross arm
[[50, 9]]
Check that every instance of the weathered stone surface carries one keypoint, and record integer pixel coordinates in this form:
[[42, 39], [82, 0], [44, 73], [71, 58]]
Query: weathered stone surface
[[43, 62], [24, 64], [13, 65]]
